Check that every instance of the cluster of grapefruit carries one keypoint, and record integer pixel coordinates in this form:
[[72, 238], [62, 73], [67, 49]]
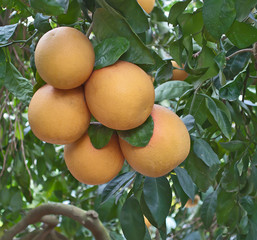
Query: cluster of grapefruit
[[120, 96]]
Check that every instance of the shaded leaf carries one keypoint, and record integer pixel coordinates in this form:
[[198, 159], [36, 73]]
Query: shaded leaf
[[131, 220], [208, 209], [164, 73], [177, 9], [2, 67], [204, 151], [157, 196], [186, 182], [50, 7], [109, 51], [218, 16], [233, 145], [6, 32], [99, 135], [41, 23], [243, 8], [139, 136], [108, 24], [171, 90], [178, 190], [189, 121]]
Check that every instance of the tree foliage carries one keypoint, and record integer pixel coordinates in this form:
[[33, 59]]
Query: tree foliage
[[216, 42]]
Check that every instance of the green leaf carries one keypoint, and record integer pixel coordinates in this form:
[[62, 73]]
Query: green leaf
[[171, 90], [99, 135], [139, 136], [115, 184], [204, 151], [108, 24], [208, 209], [131, 220], [109, 51], [233, 145], [252, 231], [138, 21], [157, 196], [189, 121], [176, 49], [220, 117], [164, 73], [19, 86], [242, 35], [2, 67], [193, 236], [178, 190], [243, 8], [41, 23], [186, 182], [50, 7], [177, 9], [16, 202], [232, 90], [218, 16], [6, 32]]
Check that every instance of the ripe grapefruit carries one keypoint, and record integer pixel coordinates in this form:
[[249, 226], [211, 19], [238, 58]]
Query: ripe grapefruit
[[147, 5], [120, 96], [178, 74], [168, 147], [93, 166], [64, 57], [58, 116]]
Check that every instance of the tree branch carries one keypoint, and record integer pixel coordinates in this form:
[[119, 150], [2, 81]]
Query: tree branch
[[239, 51], [88, 219]]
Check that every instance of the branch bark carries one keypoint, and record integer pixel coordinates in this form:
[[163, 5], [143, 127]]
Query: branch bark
[[88, 219]]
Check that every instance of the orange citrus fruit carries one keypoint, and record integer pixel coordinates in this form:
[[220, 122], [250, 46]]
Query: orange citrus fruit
[[120, 96], [178, 74], [93, 166], [167, 148], [147, 5], [64, 57], [58, 116]]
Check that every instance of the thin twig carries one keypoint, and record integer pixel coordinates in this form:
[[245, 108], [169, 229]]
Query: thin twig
[[90, 29], [239, 51]]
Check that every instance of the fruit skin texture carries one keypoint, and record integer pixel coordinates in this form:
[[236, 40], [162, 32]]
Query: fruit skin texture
[[120, 96], [58, 116], [177, 73], [64, 57], [147, 5], [93, 166], [168, 147]]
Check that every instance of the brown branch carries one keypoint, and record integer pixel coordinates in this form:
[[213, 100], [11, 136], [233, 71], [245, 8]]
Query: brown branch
[[88, 219], [239, 51]]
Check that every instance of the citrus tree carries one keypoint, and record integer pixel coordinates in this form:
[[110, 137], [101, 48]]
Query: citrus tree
[[128, 119]]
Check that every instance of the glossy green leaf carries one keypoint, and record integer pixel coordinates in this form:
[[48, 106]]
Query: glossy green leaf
[[109, 51], [6, 32], [243, 8], [41, 23], [164, 73], [208, 209], [50, 7], [171, 90], [218, 16], [180, 194], [204, 151], [232, 90], [185, 181], [115, 184], [108, 24], [99, 135], [220, 117], [138, 21], [157, 196], [72, 14], [139, 136], [176, 49], [189, 121], [131, 220], [177, 9], [2, 67], [19, 86], [242, 34]]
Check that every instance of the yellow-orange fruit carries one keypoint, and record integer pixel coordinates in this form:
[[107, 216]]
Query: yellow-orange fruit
[[120, 96], [58, 116], [168, 147], [147, 5], [191, 203], [93, 166], [64, 57], [178, 74], [147, 223]]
